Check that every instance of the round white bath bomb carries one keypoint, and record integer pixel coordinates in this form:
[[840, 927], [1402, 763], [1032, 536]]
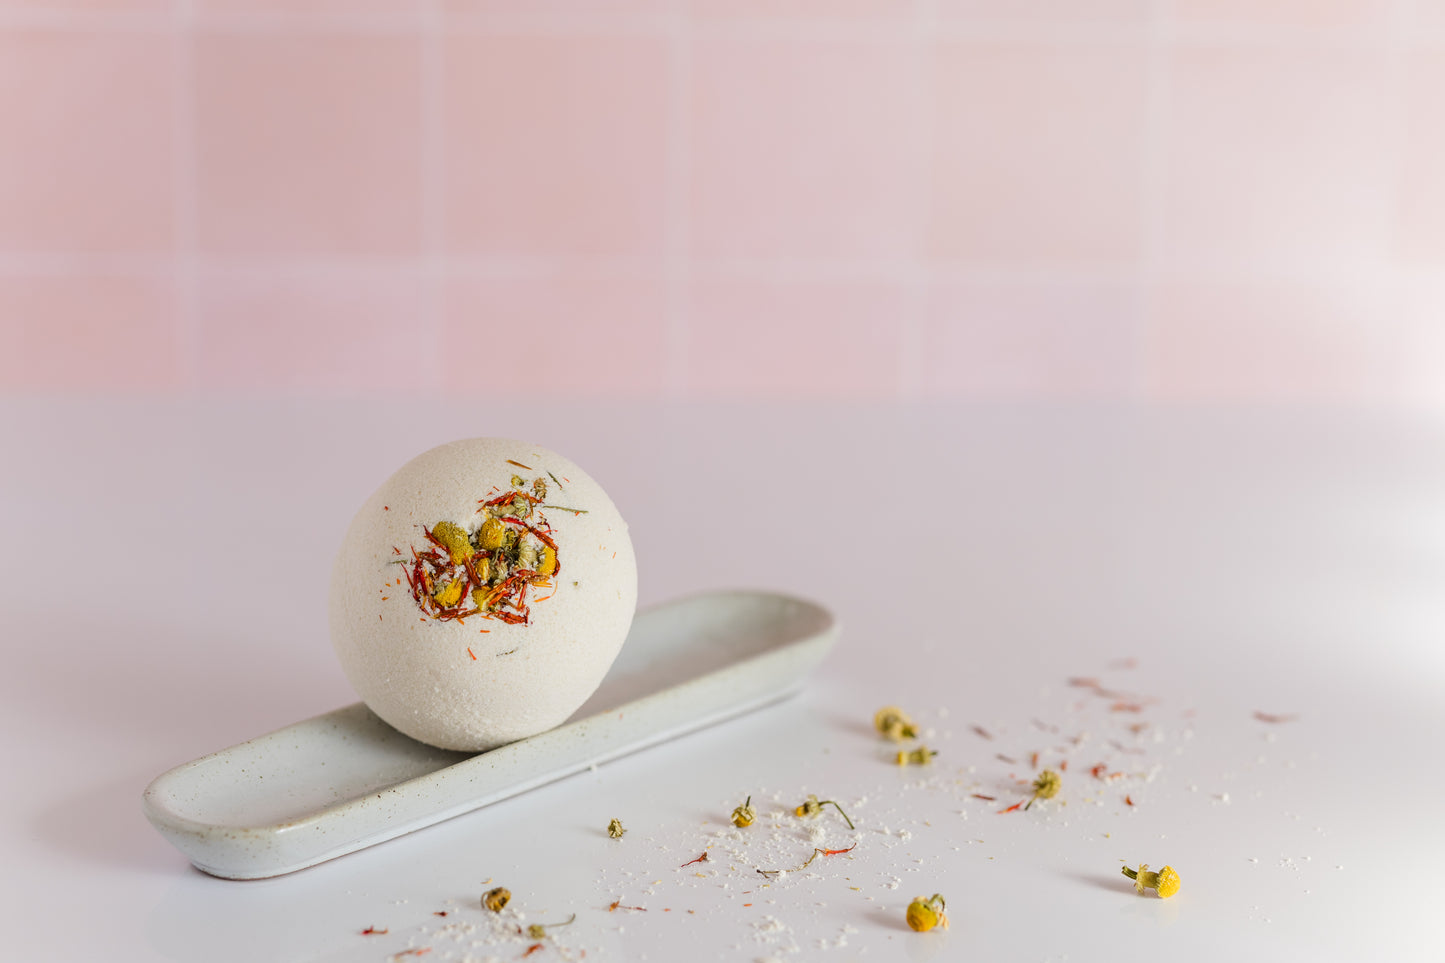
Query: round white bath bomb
[[481, 593]]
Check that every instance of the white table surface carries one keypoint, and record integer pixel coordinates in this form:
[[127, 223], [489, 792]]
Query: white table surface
[[162, 595]]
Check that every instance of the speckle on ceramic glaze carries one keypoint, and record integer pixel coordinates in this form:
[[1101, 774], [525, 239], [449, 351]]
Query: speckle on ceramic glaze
[[481, 593]]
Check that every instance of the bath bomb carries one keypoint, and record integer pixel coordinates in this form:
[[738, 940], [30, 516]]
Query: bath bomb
[[481, 593]]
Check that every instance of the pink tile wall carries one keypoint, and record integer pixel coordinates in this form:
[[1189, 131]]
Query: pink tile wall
[[795, 339], [88, 334], [1420, 203], [1269, 341], [1043, 14], [555, 336], [1038, 152], [1021, 340], [803, 147], [1287, 13], [87, 157], [1277, 157], [556, 144], [307, 143], [1191, 200], [318, 333]]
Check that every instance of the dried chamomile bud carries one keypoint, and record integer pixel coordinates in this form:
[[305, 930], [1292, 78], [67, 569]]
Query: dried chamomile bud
[[1046, 786], [491, 535], [1165, 882], [449, 594], [496, 899], [925, 914], [893, 723], [1168, 883], [451, 535], [744, 815], [811, 807], [615, 830], [921, 756]]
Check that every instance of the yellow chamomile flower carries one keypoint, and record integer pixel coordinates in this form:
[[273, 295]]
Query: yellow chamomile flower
[[1165, 882], [926, 913], [614, 829], [1046, 786], [811, 807], [744, 815], [495, 899], [893, 723], [921, 756]]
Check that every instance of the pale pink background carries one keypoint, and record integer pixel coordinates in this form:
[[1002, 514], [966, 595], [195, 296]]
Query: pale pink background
[[1179, 200]]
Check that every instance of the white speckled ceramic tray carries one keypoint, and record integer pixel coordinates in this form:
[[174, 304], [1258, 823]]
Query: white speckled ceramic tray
[[345, 780]]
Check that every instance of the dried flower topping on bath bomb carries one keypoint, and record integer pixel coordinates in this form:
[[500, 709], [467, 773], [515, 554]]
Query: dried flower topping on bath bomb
[[482, 592]]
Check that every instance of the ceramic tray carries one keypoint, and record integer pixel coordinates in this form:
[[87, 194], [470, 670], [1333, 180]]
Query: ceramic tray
[[345, 780]]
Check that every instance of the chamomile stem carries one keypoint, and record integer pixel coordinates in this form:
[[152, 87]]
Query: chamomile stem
[[829, 802]]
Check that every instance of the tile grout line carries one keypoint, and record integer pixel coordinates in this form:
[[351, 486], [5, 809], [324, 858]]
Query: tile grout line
[[958, 28], [433, 174], [1157, 92], [185, 196], [1404, 18], [917, 279], [900, 272], [677, 224]]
